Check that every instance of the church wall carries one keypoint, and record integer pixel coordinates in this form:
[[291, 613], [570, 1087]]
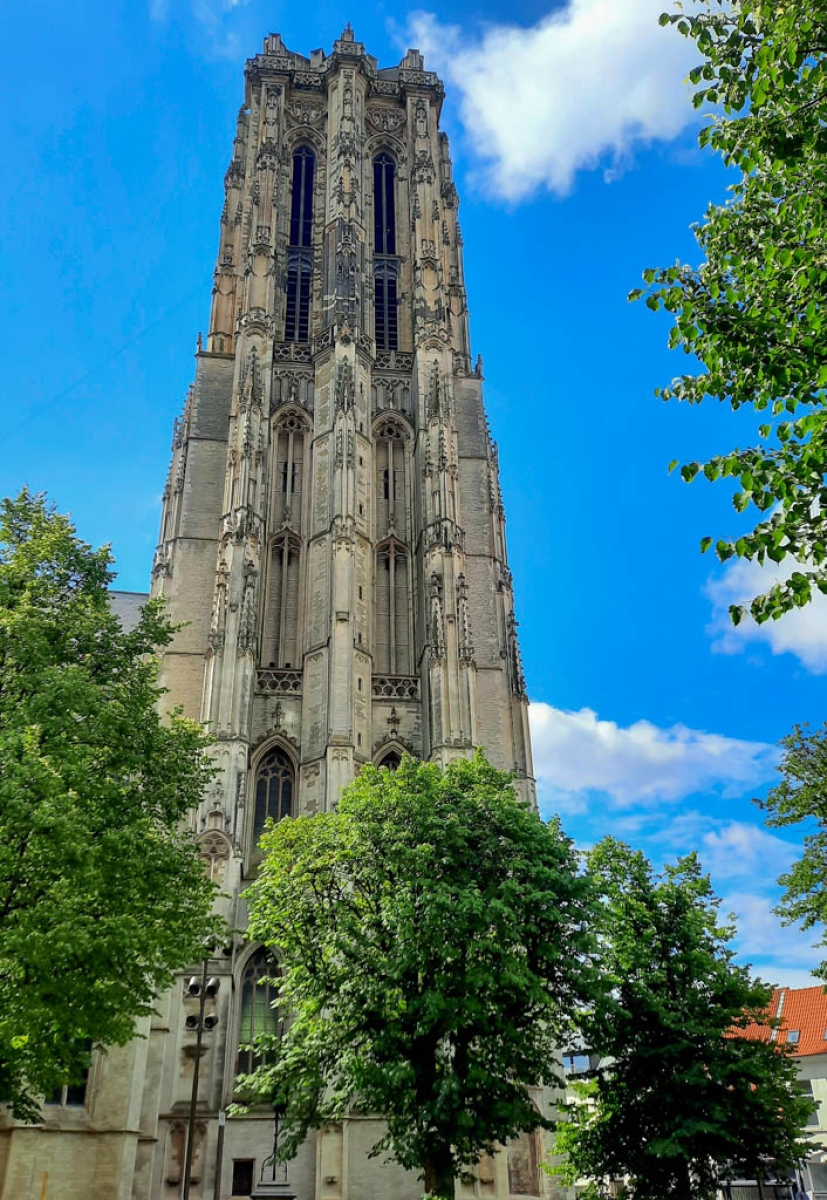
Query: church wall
[[362, 1177]]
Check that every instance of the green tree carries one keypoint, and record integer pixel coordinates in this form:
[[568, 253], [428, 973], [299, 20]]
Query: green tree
[[101, 894], [754, 313], [801, 798], [432, 943], [677, 1100]]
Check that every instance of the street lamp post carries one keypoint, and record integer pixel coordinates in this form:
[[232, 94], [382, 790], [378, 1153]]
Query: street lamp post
[[204, 989]]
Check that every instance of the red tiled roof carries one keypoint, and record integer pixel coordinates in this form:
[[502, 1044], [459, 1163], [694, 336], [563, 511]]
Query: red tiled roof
[[804, 1009]]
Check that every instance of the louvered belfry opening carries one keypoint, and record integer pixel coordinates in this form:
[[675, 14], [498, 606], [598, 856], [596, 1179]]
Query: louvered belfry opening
[[299, 250], [385, 265]]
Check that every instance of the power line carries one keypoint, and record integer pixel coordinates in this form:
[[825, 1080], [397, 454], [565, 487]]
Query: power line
[[104, 363]]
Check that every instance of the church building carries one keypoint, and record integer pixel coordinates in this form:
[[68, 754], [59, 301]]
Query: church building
[[333, 544]]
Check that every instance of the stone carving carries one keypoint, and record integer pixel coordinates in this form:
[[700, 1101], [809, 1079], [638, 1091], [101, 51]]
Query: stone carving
[[385, 120], [444, 534], [278, 682], [437, 623], [214, 849], [428, 254], [162, 563], [291, 352], [391, 392], [394, 360], [343, 396], [466, 645], [423, 168], [292, 387], [515, 662], [395, 687], [305, 112]]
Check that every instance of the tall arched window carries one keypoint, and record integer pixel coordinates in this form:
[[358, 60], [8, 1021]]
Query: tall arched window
[[281, 629], [384, 206], [392, 643], [274, 790], [257, 1012], [390, 459], [385, 265], [299, 250]]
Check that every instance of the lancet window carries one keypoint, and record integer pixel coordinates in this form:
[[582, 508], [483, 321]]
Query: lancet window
[[281, 623], [385, 266], [300, 249], [274, 790], [288, 471], [392, 648], [257, 1012], [390, 456]]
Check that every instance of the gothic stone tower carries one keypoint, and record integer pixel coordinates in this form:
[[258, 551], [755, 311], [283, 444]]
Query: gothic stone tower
[[333, 544]]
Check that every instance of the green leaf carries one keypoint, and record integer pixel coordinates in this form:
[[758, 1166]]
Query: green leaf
[[101, 870]]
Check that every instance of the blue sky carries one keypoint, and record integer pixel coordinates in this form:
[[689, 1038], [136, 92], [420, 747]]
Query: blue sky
[[575, 156]]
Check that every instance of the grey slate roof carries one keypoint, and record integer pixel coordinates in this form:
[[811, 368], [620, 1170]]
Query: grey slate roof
[[127, 607]]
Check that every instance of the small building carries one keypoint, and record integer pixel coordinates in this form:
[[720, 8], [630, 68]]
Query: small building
[[801, 1014]]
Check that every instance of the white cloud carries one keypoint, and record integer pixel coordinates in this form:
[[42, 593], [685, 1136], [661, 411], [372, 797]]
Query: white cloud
[[802, 632], [736, 849], [212, 16], [576, 753], [781, 954], [582, 87]]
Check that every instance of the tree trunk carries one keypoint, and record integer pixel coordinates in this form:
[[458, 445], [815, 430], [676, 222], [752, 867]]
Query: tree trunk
[[439, 1175], [684, 1181]]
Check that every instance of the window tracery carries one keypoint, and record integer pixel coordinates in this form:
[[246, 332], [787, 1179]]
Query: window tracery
[[392, 649], [385, 264], [257, 1012], [275, 780], [299, 249]]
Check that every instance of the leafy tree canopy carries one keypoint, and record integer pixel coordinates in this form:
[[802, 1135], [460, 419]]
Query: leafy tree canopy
[[801, 797], [101, 895], [754, 313], [432, 943], [677, 1101]]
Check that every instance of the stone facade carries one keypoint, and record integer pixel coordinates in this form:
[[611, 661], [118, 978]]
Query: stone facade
[[333, 541]]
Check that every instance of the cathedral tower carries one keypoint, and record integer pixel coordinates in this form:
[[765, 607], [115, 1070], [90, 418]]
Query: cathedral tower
[[333, 544]]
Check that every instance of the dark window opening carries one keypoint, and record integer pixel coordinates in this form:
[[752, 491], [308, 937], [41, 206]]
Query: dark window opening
[[258, 1014], [384, 243], [274, 791], [300, 255], [72, 1095], [385, 306], [391, 760], [243, 1176], [384, 206], [386, 484], [292, 477], [297, 316], [301, 207]]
